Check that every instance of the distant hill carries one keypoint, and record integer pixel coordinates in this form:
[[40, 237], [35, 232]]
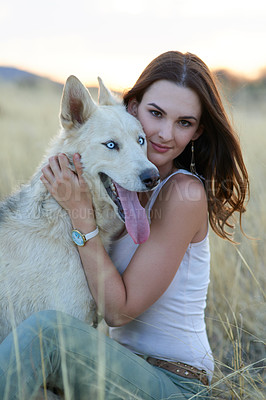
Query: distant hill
[[19, 76], [24, 78], [15, 74], [236, 88]]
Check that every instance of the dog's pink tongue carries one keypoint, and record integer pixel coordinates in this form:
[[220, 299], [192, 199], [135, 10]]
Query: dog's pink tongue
[[136, 219]]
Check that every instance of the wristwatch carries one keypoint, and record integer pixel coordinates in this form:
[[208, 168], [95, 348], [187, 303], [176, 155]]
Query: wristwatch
[[80, 239]]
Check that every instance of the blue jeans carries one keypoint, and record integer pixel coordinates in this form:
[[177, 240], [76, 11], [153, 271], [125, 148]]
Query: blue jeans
[[55, 348]]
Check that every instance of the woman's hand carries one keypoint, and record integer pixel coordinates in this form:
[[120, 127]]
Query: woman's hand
[[68, 188]]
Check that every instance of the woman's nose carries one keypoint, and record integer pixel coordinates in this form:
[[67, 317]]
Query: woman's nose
[[166, 132]]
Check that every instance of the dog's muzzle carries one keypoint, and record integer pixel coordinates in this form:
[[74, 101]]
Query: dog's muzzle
[[129, 208], [150, 178]]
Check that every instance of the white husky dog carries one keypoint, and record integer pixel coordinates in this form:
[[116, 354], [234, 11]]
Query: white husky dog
[[40, 266]]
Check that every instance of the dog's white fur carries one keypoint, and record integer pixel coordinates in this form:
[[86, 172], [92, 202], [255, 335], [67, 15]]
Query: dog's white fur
[[40, 266]]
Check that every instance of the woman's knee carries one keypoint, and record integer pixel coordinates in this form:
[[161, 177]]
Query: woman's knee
[[43, 318], [44, 321]]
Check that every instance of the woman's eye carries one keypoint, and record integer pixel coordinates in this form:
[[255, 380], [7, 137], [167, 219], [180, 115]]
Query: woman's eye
[[156, 113], [185, 123], [141, 140], [111, 145]]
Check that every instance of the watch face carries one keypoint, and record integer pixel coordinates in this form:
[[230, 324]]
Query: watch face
[[77, 238]]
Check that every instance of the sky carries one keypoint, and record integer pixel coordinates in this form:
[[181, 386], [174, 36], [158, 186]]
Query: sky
[[116, 39]]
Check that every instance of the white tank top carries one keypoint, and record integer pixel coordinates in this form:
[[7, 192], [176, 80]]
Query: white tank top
[[173, 328]]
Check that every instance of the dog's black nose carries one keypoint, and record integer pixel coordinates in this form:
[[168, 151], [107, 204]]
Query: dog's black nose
[[150, 178]]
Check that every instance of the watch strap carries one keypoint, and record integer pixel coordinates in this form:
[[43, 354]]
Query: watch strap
[[92, 234]]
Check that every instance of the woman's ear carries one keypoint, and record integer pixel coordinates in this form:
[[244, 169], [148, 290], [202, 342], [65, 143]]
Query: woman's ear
[[132, 107], [198, 132]]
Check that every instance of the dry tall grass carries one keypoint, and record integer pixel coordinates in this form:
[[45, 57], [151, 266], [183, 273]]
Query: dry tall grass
[[235, 313]]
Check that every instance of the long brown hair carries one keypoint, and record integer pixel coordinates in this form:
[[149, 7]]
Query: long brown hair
[[217, 151]]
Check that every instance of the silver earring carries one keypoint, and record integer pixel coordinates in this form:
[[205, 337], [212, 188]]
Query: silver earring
[[192, 163]]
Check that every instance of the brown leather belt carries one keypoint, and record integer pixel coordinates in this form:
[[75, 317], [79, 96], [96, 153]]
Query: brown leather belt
[[178, 368]]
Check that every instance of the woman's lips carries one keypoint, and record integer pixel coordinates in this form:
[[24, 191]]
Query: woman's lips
[[160, 148]]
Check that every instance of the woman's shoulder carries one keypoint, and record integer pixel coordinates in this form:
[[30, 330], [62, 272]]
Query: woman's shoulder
[[184, 186], [182, 207]]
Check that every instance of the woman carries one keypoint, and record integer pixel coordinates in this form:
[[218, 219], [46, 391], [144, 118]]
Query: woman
[[153, 295]]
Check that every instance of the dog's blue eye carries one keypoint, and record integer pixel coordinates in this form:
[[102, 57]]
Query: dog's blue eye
[[141, 140], [111, 145]]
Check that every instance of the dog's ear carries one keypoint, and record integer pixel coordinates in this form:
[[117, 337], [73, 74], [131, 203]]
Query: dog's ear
[[105, 97], [76, 105]]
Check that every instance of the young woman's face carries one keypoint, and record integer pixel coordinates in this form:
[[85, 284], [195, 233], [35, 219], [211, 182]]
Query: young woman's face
[[170, 117]]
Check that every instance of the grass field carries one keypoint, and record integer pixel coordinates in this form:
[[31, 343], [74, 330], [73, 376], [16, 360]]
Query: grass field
[[235, 314]]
